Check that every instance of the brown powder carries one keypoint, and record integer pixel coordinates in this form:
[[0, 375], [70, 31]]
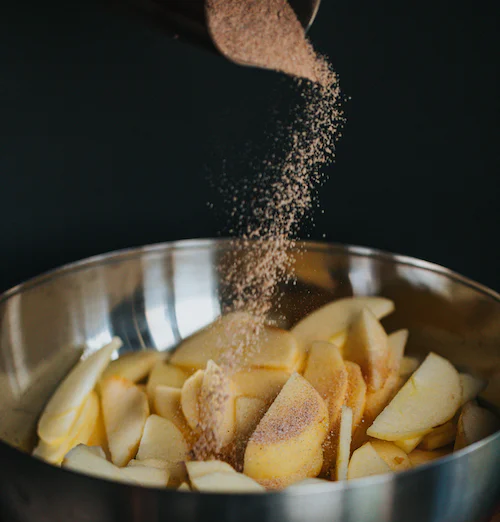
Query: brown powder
[[267, 33]]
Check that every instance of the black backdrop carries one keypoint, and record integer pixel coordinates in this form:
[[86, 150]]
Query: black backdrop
[[112, 135]]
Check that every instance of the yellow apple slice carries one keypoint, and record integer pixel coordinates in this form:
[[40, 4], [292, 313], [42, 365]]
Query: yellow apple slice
[[125, 410], [98, 436], [146, 476], [190, 395], [216, 406], [418, 457], [430, 398], [376, 401], [334, 317], [474, 424], [164, 374], [167, 404], [367, 345], [394, 457], [176, 470], [269, 348], [197, 469], [408, 445], [184, 487], [64, 405], [249, 411], [162, 440], [285, 446], [84, 460], [218, 482], [133, 366], [440, 436], [339, 340], [261, 383], [365, 462], [408, 365], [326, 371], [396, 342], [356, 392], [79, 433], [343, 449], [471, 387]]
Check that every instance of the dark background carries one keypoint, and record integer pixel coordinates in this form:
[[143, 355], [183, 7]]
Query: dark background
[[113, 135]]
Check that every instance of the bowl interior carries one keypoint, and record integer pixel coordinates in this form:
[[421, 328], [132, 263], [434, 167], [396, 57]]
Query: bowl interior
[[154, 297]]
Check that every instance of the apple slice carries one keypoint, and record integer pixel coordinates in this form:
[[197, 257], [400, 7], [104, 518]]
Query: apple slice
[[326, 371], [471, 387], [190, 395], [356, 392], [343, 449], [84, 460], [334, 317], [184, 487], [98, 436], [408, 445], [268, 348], [394, 457], [365, 462], [474, 424], [367, 345], [176, 470], [197, 469], [125, 410], [286, 445], [430, 398], [79, 433], [440, 436], [339, 340], [165, 374], [162, 440], [261, 383], [216, 406], [167, 404], [64, 405], [396, 342], [133, 366], [418, 457], [249, 411], [218, 482], [146, 476], [376, 401], [408, 365]]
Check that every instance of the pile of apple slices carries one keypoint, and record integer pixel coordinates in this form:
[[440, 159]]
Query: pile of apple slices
[[335, 398]]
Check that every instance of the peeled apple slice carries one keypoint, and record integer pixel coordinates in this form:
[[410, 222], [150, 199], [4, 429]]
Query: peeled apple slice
[[125, 409], [63, 407], [471, 387], [84, 460], [146, 476], [133, 366], [365, 462], [276, 348], [430, 398], [226, 483], [197, 469], [331, 319], [79, 433]]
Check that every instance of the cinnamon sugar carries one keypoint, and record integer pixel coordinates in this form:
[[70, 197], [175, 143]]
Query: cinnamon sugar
[[267, 33]]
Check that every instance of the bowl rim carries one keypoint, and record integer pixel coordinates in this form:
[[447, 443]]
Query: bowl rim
[[114, 256]]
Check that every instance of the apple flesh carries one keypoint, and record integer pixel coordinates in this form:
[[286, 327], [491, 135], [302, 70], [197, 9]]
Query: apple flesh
[[430, 398]]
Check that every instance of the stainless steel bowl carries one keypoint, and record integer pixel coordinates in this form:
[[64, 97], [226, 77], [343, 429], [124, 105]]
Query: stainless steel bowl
[[155, 296]]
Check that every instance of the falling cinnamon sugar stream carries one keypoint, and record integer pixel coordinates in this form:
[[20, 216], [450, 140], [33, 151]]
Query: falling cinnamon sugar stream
[[267, 33]]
